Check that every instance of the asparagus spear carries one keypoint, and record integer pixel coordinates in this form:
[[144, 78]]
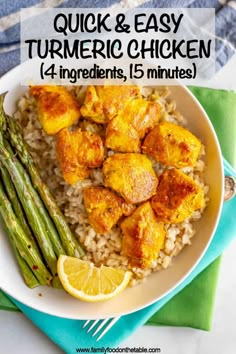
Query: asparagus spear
[[49, 226], [28, 275], [26, 272], [22, 184], [25, 192], [11, 193], [69, 241], [19, 239], [40, 207]]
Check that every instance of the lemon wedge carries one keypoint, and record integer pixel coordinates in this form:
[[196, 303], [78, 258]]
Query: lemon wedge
[[86, 282]]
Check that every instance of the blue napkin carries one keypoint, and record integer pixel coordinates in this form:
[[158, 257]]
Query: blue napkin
[[69, 335], [225, 17]]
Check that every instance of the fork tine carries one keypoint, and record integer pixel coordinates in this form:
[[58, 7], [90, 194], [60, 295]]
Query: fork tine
[[93, 325], [102, 324], [86, 323], [107, 328]]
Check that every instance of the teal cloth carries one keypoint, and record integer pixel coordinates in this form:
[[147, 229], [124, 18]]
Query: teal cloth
[[68, 334]]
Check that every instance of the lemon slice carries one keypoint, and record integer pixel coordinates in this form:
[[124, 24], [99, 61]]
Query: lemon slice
[[84, 281]]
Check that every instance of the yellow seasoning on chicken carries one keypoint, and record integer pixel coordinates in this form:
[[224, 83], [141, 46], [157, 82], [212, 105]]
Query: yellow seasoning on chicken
[[143, 236], [131, 175], [57, 108], [177, 197]]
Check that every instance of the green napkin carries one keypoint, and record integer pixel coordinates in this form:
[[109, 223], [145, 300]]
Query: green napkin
[[220, 106], [6, 304], [193, 306], [187, 308]]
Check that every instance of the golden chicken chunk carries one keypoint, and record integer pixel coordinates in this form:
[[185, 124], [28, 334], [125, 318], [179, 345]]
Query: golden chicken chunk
[[177, 197], [172, 145], [125, 131], [143, 236], [57, 108], [104, 208], [131, 175], [102, 103], [121, 136], [76, 151]]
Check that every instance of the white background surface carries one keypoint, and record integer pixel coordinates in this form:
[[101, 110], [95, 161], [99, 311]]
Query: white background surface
[[18, 335]]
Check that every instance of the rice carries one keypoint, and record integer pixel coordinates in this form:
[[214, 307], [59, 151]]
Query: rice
[[104, 249]]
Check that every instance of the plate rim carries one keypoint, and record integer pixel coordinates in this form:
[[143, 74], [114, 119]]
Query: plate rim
[[7, 76]]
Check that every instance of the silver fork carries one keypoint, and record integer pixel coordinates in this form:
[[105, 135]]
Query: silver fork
[[98, 326]]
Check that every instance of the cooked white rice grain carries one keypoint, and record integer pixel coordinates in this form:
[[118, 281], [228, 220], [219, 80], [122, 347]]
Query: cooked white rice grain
[[104, 249]]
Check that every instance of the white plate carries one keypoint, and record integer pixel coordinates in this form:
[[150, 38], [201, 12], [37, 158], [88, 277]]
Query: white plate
[[57, 302]]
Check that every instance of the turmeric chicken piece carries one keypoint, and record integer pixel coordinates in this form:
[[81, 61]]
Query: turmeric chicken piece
[[125, 131], [172, 145], [121, 136], [77, 151], [177, 197], [102, 103], [57, 108], [104, 208], [131, 175], [143, 236]]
